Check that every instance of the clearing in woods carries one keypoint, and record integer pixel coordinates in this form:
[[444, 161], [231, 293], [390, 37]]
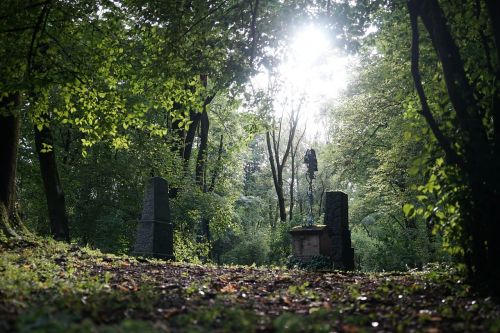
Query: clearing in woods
[[47, 286]]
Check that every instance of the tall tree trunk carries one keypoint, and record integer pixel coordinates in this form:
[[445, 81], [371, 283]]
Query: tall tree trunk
[[494, 249], [185, 138], [201, 161], [292, 184], [9, 136], [183, 142], [494, 15], [218, 166], [54, 194], [276, 170], [200, 171], [293, 156], [299, 198], [9, 142], [480, 209], [321, 198], [270, 212]]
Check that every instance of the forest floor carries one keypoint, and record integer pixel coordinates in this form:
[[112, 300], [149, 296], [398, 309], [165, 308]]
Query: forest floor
[[47, 286]]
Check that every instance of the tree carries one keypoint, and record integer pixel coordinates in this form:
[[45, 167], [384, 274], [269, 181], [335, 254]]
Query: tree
[[9, 129], [294, 167], [78, 51], [377, 152], [474, 152], [277, 162]]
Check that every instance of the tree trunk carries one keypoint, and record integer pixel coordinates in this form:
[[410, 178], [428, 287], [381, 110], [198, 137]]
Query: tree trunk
[[494, 15], [218, 166], [494, 248], [276, 169], [321, 198], [479, 207], [201, 161], [201, 167], [183, 143], [292, 183], [9, 142], [270, 212], [293, 156], [299, 197], [54, 194], [185, 138]]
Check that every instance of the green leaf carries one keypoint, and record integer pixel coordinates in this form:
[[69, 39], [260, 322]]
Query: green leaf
[[421, 197], [408, 210]]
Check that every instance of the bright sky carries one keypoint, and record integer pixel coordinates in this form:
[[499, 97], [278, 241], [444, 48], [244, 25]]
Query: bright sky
[[312, 68]]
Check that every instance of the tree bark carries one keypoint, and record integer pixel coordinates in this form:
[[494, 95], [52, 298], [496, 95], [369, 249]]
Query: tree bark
[[443, 141], [185, 138], [293, 157], [276, 170], [270, 212], [10, 223], [494, 15], [201, 160], [54, 193], [200, 171], [292, 185], [216, 171]]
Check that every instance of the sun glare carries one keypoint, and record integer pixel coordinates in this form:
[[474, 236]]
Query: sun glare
[[308, 45], [312, 70]]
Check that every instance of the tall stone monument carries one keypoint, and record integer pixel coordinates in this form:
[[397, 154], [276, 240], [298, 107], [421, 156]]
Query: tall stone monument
[[155, 235], [337, 222], [331, 240]]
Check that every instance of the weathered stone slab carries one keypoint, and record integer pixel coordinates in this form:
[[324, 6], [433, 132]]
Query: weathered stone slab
[[155, 232], [336, 211], [306, 241], [156, 206], [337, 221]]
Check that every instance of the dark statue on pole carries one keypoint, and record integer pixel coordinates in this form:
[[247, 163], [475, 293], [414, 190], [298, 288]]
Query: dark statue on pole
[[332, 239], [312, 166]]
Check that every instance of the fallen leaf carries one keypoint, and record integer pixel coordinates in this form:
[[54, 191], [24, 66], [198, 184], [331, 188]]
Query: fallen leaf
[[348, 328], [229, 288]]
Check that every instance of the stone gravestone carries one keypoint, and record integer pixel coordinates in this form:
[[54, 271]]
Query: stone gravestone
[[337, 221], [155, 234]]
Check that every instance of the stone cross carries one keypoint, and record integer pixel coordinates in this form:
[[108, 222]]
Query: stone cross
[[155, 234], [337, 222]]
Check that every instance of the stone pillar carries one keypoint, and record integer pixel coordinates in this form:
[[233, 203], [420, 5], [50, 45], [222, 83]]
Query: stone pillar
[[155, 234], [337, 222]]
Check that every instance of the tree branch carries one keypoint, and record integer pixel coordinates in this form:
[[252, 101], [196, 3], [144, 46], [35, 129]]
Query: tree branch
[[451, 155], [253, 31]]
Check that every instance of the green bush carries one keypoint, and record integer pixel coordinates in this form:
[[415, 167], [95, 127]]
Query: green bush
[[249, 247], [316, 263]]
